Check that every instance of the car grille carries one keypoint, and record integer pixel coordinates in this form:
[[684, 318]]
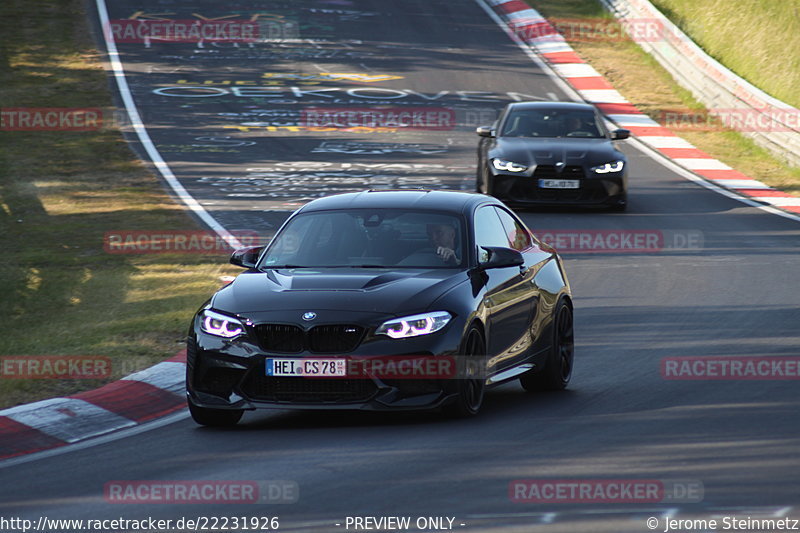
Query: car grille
[[327, 339], [258, 386], [282, 338], [570, 172]]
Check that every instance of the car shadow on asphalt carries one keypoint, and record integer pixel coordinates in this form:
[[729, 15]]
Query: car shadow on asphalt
[[508, 400]]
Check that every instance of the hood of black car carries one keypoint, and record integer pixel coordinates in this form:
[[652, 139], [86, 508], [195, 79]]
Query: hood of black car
[[550, 151], [336, 289]]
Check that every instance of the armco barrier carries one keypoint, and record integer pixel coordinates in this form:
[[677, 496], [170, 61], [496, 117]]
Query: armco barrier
[[711, 83]]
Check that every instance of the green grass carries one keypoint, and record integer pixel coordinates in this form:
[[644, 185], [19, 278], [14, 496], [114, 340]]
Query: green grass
[[642, 80], [758, 40], [59, 193]]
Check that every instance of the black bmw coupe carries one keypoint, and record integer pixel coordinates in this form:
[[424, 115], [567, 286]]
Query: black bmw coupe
[[383, 300], [551, 153]]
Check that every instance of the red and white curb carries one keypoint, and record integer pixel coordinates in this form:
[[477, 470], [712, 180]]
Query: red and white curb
[[534, 30], [135, 399]]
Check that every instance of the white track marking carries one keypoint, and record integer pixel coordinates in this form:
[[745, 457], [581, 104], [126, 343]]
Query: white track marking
[[701, 163], [144, 137], [68, 419], [576, 70], [742, 184], [125, 433], [168, 375]]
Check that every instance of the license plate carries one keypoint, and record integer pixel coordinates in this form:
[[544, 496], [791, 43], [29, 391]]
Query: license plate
[[559, 184], [307, 367]]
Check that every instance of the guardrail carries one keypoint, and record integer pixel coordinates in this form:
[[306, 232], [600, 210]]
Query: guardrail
[[771, 123]]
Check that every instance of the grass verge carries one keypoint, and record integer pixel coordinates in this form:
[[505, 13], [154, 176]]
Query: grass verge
[[646, 84], [759, 41], [60, 192]]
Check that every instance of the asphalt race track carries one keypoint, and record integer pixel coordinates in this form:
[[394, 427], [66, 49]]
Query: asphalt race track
[[231, 120]]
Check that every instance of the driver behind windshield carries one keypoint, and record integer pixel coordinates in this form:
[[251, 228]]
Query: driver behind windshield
[[443, 239], [577, 126]]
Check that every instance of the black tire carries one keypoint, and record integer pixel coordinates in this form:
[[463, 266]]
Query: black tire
[[215, 417], [558, 369], [470, 391]]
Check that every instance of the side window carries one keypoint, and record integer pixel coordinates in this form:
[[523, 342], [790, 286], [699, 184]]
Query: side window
[[519, 237], [489, 231]]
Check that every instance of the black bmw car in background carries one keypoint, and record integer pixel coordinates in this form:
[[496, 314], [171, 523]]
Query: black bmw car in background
[[452, 285], [552, 153]]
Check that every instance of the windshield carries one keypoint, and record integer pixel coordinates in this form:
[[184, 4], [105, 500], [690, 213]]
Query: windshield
[[368, 238], [551, 123]]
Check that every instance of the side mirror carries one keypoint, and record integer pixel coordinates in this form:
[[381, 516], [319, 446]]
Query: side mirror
[[246, 257], [484, 131], [620, 134], [500, 257]]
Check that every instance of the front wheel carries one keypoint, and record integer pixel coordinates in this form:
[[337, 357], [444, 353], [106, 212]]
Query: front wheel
[[215, 417], [472, 386], [558, 368]]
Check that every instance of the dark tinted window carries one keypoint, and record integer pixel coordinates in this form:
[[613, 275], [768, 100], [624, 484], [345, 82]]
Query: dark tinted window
[[359, 237], [518, 236], [551, 123], [489, 231]]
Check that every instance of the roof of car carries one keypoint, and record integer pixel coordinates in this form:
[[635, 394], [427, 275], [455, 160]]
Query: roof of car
[[552, 105], [450, 201]]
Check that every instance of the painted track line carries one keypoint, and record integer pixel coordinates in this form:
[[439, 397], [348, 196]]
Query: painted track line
[[144, 137]]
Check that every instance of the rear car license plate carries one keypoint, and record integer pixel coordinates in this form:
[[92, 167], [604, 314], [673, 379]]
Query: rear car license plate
[[306, 367], [559, 184]]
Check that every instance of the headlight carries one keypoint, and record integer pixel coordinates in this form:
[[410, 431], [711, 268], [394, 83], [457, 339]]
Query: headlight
[[414, 326], [614, 166], [500, 164], [214, 323]]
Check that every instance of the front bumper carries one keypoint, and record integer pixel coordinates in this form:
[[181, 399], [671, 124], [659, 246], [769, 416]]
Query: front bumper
[[594, 191], [224, 374]]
